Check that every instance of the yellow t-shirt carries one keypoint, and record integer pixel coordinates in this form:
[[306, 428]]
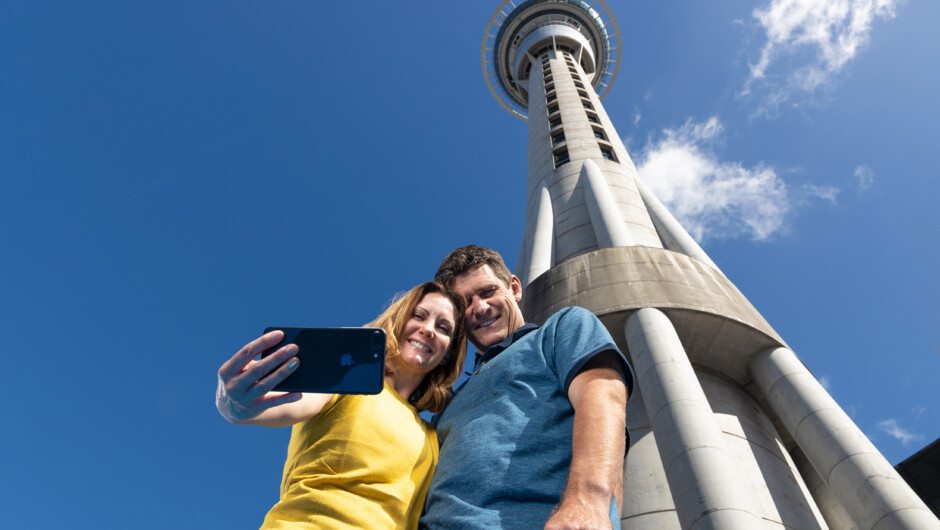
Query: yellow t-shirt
[[362, 462]]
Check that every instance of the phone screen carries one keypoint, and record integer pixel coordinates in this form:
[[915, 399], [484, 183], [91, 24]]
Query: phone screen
[[335, 360]]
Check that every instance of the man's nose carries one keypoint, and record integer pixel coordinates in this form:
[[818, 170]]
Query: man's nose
[[478, 306]]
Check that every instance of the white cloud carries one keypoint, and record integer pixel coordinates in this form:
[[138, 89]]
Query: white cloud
[[853, 411], [826, 383], [894, 430], [865, 176], [809, 43], [710, 197], [822, 192], [637, 115]]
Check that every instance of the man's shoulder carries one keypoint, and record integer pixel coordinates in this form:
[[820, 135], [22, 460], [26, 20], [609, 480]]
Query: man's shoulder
[[576, 324], [571, 315], [577, 327]]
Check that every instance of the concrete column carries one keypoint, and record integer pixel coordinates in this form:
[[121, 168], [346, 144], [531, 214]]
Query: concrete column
[[609, 227], [542, 239], [647, 501], [707, 487], [670, 231], [829, 506], [870, 490]]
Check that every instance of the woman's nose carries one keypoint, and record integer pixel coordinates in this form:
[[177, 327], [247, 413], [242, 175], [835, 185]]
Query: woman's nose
[[428, 329]]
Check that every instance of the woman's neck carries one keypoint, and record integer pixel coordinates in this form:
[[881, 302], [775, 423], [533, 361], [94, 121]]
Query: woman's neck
[[404, 383]]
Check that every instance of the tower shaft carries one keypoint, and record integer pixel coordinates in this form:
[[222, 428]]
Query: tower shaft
[[576, 155], [728, 429]]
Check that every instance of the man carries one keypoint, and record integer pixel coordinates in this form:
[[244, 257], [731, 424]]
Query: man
[[536, 434]]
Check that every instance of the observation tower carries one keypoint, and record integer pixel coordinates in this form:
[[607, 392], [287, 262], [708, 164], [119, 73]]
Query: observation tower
[[728, 427]]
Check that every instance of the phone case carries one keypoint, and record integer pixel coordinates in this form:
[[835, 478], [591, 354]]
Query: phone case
[[335, 360]]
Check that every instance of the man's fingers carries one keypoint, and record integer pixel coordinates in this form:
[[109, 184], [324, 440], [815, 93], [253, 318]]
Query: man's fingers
[[263, 386], [240, 360]]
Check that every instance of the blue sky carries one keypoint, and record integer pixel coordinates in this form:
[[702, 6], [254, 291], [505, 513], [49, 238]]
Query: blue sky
[[176, 176]]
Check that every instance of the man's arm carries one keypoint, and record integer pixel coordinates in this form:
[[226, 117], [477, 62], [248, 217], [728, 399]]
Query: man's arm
[[599, 397]]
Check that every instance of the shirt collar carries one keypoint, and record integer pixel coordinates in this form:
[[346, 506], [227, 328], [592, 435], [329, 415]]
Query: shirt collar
[[491, 352], [495, 349]]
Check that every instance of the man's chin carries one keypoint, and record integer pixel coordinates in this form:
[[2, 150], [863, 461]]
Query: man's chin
[[484, 340]]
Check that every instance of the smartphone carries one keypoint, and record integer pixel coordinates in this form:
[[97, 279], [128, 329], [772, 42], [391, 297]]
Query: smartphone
[[335, 360]]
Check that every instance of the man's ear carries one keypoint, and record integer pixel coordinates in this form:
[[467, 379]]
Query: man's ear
[[516, 285]]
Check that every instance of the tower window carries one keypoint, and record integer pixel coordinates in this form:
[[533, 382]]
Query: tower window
[[554, 123], [561, 157], [587, 104], [593, 118], [599, 133], [558, 138], [583, 94], [549, 87], [553, 109], [608, 154], [578, 84], [551, 97]]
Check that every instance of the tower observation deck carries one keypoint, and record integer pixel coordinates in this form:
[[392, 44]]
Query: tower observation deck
[[728, 427], [517, 35]]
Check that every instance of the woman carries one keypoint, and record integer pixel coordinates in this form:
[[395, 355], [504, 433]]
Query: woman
[[357, 461]]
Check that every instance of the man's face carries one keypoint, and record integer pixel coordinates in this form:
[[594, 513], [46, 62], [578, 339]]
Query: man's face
[[492, 307]]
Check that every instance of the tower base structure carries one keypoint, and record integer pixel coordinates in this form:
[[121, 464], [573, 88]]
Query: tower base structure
[[728, 428]]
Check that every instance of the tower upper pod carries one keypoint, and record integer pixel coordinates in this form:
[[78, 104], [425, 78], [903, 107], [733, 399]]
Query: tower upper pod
[[518, 33]]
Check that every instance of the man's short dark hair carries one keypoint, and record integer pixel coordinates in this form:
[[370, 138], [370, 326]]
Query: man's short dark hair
[[468, 258]]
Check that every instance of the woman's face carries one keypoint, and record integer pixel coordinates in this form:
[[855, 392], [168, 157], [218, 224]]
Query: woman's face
[[426, 336]]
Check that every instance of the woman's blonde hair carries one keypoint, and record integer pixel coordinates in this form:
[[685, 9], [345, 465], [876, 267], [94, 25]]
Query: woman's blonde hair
[[434, 392]]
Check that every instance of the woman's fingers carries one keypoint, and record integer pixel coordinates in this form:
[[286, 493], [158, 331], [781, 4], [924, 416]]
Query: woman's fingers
[[236, 365], [244, 383], [258, 370], [288, 364]]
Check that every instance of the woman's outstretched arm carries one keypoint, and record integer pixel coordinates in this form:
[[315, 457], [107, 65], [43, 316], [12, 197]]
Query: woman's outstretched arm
[[290, 413]]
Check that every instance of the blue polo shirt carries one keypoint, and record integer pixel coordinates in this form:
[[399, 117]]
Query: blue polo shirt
[[506, 435]]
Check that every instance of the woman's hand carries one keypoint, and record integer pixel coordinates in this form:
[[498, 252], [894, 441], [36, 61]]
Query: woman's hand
[[244, 388]]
